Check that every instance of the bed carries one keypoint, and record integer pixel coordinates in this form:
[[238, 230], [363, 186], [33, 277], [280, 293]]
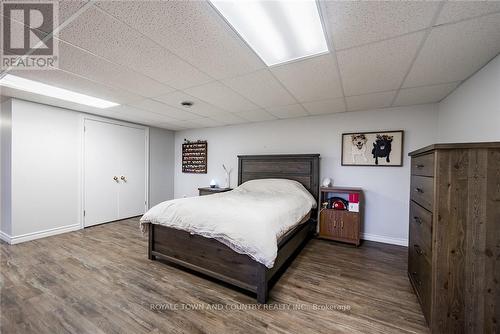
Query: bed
[[217, 259]]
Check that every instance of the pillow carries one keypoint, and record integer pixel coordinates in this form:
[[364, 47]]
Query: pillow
[[278, 186]]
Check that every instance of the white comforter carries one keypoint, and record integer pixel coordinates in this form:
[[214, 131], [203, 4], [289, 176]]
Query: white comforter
[[249, 219]]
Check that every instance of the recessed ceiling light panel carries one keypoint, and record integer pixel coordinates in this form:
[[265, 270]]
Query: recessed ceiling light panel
[[36, 87], [278, 31]]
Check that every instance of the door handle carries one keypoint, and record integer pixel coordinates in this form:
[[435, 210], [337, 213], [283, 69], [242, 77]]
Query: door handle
[[419, 190], [124, 179], [115, 178], [419, 166]]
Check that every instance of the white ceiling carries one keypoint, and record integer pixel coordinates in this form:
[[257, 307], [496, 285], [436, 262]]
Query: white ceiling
[[151, 55]]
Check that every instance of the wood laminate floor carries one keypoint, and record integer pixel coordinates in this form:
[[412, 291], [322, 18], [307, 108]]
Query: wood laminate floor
[[99, 280]]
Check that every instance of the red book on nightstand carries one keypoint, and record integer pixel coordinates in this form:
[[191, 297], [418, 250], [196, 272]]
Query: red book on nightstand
[[354, 198]]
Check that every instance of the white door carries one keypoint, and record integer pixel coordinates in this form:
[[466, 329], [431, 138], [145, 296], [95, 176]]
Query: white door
[[114, 172], [100, 168], [132, 156]]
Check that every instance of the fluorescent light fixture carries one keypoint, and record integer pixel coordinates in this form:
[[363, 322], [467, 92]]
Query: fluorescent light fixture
[[36, 87], [278, 31]]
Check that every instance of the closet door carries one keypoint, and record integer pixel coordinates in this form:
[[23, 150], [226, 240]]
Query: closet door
[[132, 161], [100, 168]]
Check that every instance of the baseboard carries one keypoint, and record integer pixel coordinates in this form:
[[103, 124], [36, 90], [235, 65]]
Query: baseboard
[[384, 239], [5, 237], [41, 234]]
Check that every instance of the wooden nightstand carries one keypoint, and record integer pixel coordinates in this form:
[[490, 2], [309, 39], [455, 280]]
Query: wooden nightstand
[[209, 191], [340, 225]]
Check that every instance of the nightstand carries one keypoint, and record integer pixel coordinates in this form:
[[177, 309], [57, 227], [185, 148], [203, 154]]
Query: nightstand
[[340, 225], [209, 191]]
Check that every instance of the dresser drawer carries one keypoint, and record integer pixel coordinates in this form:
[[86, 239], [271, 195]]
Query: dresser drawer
[[422, 191], [421, 228], [423, 165], [419, 271]]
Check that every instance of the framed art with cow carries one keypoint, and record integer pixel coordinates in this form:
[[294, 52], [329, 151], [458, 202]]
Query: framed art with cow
[[377, 148]]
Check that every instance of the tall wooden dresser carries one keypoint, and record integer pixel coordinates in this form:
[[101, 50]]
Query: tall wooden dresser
[[454, 246]]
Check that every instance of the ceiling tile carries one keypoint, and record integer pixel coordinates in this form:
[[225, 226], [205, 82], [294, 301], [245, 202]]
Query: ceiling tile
[[207, 122], [199, 107], [325, 106], [426, 94], [171, 126], [78, 84], [460, 10], [379, 66], [353, 23], [75, 60], [262, 88], [192, 30], [311, 79], [228, 118], [454, 52], [370, 101], [68, 8], [222, 97], [256, 115], [102, 35], [294, 110], [164, 109], [201, 122], [64, 11], [139, 115]]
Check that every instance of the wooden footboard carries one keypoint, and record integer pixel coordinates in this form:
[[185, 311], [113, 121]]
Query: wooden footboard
[[214, 259]]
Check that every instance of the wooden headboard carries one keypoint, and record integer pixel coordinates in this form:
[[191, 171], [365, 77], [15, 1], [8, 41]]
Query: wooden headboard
[[303, 168]]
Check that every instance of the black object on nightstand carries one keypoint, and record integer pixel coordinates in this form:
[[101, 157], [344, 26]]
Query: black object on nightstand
[[209, 191]]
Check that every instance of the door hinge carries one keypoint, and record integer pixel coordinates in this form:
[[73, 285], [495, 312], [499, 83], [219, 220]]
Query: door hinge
[[84, 213]]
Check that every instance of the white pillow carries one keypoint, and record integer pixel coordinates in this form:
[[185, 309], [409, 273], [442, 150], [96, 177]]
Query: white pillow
[[278, 186]]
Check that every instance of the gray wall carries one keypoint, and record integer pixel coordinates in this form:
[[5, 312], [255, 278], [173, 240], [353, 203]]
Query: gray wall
[[386, 188], [472, 112], [161, 165]]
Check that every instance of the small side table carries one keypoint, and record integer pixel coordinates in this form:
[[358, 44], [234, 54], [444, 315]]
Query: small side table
[[209, 191], [340, 225]]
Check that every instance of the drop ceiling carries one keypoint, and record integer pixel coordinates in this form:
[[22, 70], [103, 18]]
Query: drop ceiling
[[149, 56]]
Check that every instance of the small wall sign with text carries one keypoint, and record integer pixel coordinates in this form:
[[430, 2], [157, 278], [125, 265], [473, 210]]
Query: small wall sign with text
[[194, 157], [381, 148]]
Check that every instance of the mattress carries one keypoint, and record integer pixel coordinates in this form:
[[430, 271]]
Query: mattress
[[250, 219]]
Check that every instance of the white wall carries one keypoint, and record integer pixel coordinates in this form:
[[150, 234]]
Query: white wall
[[386, 188], [472, 112], [46, 145], [161, 165], [5, 169], [46, 170]]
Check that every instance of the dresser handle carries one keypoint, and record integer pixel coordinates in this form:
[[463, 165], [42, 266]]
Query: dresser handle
[[418, 249], [415, 278], [419, 190], [420, 166], [418, 220]]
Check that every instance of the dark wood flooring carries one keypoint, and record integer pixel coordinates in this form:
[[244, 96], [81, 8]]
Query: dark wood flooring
[[99, 280]]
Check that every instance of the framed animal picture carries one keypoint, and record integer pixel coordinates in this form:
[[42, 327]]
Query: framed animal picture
[[381, 148]]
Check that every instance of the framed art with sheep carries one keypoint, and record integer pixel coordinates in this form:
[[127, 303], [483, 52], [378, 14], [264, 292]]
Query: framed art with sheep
[[380, 148]]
